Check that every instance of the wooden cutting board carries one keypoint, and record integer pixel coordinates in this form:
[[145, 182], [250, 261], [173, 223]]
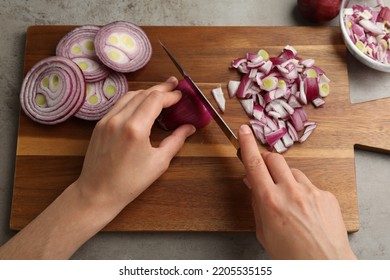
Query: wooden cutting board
[[203, 189]]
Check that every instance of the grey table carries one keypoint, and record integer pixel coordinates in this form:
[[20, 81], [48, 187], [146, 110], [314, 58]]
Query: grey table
[[373, 176]]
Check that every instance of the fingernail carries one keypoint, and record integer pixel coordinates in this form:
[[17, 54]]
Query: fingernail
[[171, 79], [192, 130], [244, 129]]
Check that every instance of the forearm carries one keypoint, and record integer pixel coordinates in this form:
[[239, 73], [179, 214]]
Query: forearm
[[60, 229]]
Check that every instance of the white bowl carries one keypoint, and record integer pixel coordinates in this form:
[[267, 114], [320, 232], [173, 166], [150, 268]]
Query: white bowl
[[351, 46]]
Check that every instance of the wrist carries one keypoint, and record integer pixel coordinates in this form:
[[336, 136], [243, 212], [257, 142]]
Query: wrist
[[97, 205]]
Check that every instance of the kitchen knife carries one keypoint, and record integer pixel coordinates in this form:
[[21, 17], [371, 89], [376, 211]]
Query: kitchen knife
[[217, 117]]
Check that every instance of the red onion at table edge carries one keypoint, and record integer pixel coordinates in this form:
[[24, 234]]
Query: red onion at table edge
[[188, 110], [319, 10]]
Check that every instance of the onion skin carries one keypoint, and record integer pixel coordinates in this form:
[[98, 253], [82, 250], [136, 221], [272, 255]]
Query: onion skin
[[319, 10], [188, 110]]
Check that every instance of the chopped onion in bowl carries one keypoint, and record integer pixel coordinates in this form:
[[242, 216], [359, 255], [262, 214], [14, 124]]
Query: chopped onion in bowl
[[369, 30]]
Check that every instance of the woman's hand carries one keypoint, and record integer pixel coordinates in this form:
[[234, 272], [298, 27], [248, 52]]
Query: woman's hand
[[120, 162], [294, 219]]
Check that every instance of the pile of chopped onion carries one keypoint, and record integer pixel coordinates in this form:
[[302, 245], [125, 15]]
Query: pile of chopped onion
[[368, 28], [80, 82], [273, 91]]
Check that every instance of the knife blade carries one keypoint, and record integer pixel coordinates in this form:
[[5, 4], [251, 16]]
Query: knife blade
[[216, 116]]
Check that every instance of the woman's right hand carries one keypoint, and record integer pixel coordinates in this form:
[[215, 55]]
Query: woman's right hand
[[294, 219]]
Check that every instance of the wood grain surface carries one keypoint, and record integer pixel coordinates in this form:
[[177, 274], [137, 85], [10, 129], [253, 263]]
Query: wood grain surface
[[203, 189]]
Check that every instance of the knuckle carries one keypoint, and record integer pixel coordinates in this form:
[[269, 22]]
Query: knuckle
[[133, 129], [254, 162], [270, 201], [156, 95], [112, 124]]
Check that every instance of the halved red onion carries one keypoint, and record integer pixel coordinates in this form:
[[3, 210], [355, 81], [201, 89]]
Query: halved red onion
[[188, 110], [53, 90], [79, 45], [102, 95], [123, 46], [273, 96]]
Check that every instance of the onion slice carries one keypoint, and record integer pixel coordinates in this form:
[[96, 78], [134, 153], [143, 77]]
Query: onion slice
[[102, 95], [53, 90], [79, 46], [123, 46]]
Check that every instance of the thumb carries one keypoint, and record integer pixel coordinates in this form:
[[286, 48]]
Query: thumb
[[171, 145]]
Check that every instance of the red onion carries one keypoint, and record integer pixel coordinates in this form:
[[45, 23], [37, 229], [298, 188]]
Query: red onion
[[123, 46], [53, 90], [274, 96], [319, 10], [102, 95], [188, 110], [79, 46]]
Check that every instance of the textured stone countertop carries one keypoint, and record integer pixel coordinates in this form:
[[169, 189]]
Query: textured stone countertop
[[373, 176]]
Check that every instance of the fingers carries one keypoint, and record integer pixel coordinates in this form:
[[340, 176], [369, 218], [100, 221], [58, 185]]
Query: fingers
[[171, 145], [278, 168], [137, 97], [257, 172], [267, 169], [300, 177]]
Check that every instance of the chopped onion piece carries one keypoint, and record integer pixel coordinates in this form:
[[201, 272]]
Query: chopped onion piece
[[248, 106], [219, 98], [269, 83], [233, 87]]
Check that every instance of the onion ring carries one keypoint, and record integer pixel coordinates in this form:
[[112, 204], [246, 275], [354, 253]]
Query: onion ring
[[79, 46], [53, 90], [102, 95], [123, 46]]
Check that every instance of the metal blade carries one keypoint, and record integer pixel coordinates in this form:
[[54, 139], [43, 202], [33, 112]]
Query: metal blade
[[217, 117]]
